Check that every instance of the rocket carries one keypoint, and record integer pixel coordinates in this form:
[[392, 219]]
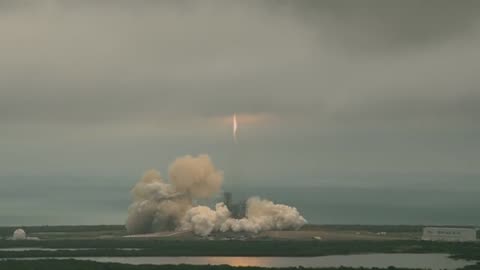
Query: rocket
[[235, 127]]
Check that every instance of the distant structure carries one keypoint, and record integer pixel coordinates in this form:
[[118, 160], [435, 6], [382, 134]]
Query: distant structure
[[19, 234], [227, 199], [449, 234], [238, 210]]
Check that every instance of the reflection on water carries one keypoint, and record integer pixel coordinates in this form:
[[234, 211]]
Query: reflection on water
[[239, 261], [427, 261]]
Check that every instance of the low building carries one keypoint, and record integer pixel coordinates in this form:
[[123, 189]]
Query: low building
[[449, 234]]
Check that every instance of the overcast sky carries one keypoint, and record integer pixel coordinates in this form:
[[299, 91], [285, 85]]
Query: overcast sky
[[350, 93]]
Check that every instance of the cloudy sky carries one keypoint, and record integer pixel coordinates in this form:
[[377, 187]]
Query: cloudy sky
[[337, 93]]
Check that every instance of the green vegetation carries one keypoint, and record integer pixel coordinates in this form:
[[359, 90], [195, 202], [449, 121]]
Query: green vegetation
[[378, 228], [472, 267], [85, 231], [90, 242], [370, 228], [84, 265], [77, 229], [148, 247]]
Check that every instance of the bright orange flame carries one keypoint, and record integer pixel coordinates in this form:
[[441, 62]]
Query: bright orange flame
[[235, 127]]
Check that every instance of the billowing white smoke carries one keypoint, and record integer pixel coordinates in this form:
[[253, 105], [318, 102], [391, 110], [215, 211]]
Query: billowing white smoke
[[158, 205], [264, 215], [261, 215], [202, 220]]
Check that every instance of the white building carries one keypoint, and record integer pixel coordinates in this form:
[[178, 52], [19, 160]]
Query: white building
[[19, 234], [449, 234]]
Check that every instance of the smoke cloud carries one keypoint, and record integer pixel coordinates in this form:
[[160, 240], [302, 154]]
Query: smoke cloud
[[195, 176], [261, 215], [158, 205]]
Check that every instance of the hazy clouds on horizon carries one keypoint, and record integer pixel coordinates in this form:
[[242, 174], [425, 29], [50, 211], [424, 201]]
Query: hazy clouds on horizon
[[326, 89]]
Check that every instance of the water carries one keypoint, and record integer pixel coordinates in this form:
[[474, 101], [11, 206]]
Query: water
[[424, 261]]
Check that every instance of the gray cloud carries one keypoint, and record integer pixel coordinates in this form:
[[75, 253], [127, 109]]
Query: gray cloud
[[78, 76], [383, 26]]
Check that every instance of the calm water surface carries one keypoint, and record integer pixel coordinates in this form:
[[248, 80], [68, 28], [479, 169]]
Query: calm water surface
[[424, 261]]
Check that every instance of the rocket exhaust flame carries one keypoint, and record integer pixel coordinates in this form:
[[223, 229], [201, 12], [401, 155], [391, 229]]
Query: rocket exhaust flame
[[235, 127]]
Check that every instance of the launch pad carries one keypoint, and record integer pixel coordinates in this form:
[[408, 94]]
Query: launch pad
[[239, 209]]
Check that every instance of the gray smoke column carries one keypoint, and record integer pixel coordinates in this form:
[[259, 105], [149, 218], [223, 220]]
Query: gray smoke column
[[159, 205]]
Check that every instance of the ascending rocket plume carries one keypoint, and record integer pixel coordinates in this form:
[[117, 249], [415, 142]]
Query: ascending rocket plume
[[166, 205], [235, 127]]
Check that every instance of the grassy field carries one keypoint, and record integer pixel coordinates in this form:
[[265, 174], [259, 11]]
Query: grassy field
[[63, 232], [108, 240], [148, 247], [327, 232], [371, 228], [89, 231]]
